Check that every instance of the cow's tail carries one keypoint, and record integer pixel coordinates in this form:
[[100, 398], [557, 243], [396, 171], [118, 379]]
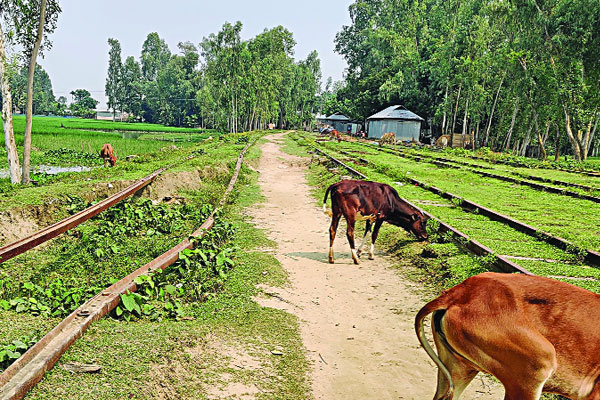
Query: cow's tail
[[325, 210], [434, 305]]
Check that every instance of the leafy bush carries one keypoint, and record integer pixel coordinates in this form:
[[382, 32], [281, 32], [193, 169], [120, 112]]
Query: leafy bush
[[197, 275], [15, 349], [69, 155]]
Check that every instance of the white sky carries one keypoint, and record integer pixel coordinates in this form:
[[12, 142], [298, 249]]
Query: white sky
[[79, 56]]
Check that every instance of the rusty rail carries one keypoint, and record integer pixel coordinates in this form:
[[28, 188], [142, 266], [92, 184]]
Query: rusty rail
[[27, 243], [500, 261], [28, 370], [352, 170]]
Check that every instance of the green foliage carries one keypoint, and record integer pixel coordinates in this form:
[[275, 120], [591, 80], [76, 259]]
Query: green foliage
[[12, 351], [514, 73], [83, 104], [62, 154], [197, 275]]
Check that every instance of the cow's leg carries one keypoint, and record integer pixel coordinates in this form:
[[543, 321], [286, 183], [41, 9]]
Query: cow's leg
[[351, 221], [335, 220], [364, 240], [376, 227]]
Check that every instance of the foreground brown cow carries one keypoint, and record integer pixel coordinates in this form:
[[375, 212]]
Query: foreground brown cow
[[534, 334], [107, 154], [376, 203]]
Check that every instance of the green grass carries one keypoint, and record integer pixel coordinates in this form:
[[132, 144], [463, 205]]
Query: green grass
[[508, 170], [49, 135], [189, 359], [499, 237], [560, 215]]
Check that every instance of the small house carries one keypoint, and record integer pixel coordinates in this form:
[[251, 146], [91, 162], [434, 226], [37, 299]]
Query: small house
[[341, 123], [405, 124]]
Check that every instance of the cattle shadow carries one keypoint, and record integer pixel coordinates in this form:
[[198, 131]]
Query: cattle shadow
[[321, 257]]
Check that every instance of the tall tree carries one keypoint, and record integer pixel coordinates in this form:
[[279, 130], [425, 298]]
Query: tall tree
[[132, 86], [114, 80], [9, 137], [33, 21]]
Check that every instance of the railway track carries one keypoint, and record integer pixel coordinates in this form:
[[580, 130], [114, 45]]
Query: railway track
[[517, 173], [501, 262], [591, 257], [507, 195], [546, 188], [20, 246], [531, 248], [30, 368], [516, 164]]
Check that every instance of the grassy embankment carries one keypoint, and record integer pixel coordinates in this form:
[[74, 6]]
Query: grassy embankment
[[541, 258], [225, 339], [72, 146]]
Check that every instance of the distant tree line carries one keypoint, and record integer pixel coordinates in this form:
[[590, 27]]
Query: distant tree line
[[225, 83], [517, 74]]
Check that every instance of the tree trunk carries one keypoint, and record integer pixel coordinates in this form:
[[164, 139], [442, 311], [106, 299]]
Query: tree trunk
[[512, 124], [489, 124], [557, 144], [9, 136], [572, 139], [455, 112], [589, 135], [466, 116], [526, 141], [445, 113], [29, 115]]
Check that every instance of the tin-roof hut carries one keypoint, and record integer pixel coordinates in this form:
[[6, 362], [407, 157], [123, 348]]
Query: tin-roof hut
[[405, 124]]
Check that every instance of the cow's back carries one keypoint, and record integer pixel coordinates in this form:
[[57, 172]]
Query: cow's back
[[565, 315]]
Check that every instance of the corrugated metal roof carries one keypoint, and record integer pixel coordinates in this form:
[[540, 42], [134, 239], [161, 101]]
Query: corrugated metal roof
[[396, 112], [338, 117]]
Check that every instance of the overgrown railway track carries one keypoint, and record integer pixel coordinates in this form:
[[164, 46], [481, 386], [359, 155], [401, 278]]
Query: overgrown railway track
[[526, 181], [30, 368], [591, 257], [532, 245], [20, 246]]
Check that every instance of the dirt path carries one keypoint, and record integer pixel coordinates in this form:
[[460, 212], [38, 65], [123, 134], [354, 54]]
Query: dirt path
[[356, 321]]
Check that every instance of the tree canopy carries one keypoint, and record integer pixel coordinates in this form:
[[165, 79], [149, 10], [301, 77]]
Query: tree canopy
[[224, 83], [471, 65]]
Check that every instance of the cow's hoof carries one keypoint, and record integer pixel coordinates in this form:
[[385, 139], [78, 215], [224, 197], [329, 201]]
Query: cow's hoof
[[371, 257], [356, 261], [331, 261], [358, 252]]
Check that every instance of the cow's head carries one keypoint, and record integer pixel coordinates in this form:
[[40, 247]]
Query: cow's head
[[113, 160], [418, 225], [413, 221]]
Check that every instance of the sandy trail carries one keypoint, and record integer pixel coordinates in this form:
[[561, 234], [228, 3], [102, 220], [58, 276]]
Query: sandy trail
[[356, 321]]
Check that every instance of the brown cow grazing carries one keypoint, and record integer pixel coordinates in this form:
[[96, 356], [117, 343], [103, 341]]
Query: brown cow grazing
[[377, 203], [388, 138], [534, 334], [107, 154], [336, 135]]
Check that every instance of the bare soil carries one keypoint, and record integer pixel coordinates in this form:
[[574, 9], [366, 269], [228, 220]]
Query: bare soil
[[356, 321]]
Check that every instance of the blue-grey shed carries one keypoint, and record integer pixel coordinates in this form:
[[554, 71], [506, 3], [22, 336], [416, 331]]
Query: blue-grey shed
[[404, 123]]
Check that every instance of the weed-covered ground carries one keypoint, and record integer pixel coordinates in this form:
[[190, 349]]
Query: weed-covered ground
[[534, 255], [193, 331], [563, 216]]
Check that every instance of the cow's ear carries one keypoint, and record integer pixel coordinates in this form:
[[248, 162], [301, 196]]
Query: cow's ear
[[414, 217]]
